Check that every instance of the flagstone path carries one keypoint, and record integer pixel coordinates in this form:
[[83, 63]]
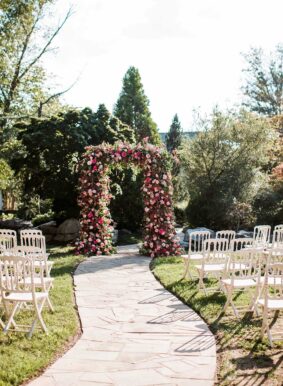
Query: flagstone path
[[134, 331]]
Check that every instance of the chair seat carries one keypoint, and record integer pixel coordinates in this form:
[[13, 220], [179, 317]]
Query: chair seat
[[24, 296], [211, 267], [276, 281], [239, 283], [38, 282], [40, 263], [273, 304], [193, 256]]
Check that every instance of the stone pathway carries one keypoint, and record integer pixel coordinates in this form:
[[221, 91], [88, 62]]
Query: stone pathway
[[134, 332]]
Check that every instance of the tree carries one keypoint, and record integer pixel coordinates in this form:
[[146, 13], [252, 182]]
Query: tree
[[53, 147], [264, 81], [24, 40], [132, 107], [223, 164], [174, 136]]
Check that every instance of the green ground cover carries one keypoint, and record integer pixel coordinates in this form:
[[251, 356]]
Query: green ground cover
[[243, 359], [22, 358]]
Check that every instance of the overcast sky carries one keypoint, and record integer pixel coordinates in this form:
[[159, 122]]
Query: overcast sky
[[188, 52]]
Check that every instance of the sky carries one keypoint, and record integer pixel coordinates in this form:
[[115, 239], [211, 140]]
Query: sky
[[188, 52]]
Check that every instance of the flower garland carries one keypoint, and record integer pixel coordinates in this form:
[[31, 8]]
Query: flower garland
[[94, 198]]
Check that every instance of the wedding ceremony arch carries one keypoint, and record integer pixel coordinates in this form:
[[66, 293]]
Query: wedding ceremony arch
[[159, 236]]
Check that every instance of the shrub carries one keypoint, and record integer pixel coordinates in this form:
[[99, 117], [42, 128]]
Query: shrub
[[43, 218]]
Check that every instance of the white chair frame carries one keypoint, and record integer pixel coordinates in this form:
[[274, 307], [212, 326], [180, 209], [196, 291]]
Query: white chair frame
[[17, 287], [215, 255], [226, 234], [271, 298], [261, 235], [242, 273], [195, 249], [8, 239], [240, 243]]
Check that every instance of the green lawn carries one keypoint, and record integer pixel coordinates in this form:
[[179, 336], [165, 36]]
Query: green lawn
[[20, 357], [125, 238], [243, 359]]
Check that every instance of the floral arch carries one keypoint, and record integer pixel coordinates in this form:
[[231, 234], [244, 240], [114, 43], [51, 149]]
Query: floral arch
[[94, 198]]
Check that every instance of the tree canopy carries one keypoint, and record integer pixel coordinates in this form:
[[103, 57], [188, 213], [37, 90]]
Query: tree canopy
[[24, 40], [222, 164], [263, 85], [53, 146], [132, 107]]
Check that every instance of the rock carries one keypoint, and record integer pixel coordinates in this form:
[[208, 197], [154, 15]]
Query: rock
[[189, 231], [68, 230], [244, 234], [185, 242], [16, 224], [47, 225], [115, 236]]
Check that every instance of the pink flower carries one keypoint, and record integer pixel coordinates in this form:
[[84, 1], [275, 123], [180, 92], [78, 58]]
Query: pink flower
[[123, 154], [100, 221], [90, 215], [161, 232]]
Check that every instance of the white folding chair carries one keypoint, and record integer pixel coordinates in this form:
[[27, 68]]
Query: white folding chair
[[226, 234], [277, 227], [35, 244], [242, 273], [215, 254], [17, 287], [240, 243], [261, 235], [196, 242], [8, 240], [29, 233], [277, 239], [271, 298]]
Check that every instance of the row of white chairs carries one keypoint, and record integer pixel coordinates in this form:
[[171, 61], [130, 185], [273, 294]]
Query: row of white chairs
[[199, 242], [24, 277], [238, 264]]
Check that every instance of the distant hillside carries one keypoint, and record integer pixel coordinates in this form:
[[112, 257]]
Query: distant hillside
[[186, 134]]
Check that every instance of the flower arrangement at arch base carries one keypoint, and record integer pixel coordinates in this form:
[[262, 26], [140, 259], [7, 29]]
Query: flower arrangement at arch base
[[94, 198]]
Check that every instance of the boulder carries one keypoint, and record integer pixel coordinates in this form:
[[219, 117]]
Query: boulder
[[244, 234], [115, 236], [185, 242], [15, 224], [68, 230]]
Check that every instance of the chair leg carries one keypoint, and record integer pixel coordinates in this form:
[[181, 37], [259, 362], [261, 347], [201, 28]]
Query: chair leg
[[11, 318], [187, 270], [38, 310], [49, 304], [201, 282]]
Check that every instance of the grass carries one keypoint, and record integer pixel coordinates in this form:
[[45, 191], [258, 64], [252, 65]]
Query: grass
[[22, 358], [243, 359], [126, 238]]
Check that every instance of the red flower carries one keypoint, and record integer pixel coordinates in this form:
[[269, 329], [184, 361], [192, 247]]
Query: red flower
[[161, 232], [123, 154]]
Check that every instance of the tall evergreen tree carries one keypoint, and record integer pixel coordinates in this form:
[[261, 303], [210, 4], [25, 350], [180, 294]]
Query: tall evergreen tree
[[174, 136], [132, 107]]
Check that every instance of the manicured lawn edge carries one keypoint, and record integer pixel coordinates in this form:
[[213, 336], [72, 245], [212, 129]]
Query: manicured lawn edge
[[241, 355]]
